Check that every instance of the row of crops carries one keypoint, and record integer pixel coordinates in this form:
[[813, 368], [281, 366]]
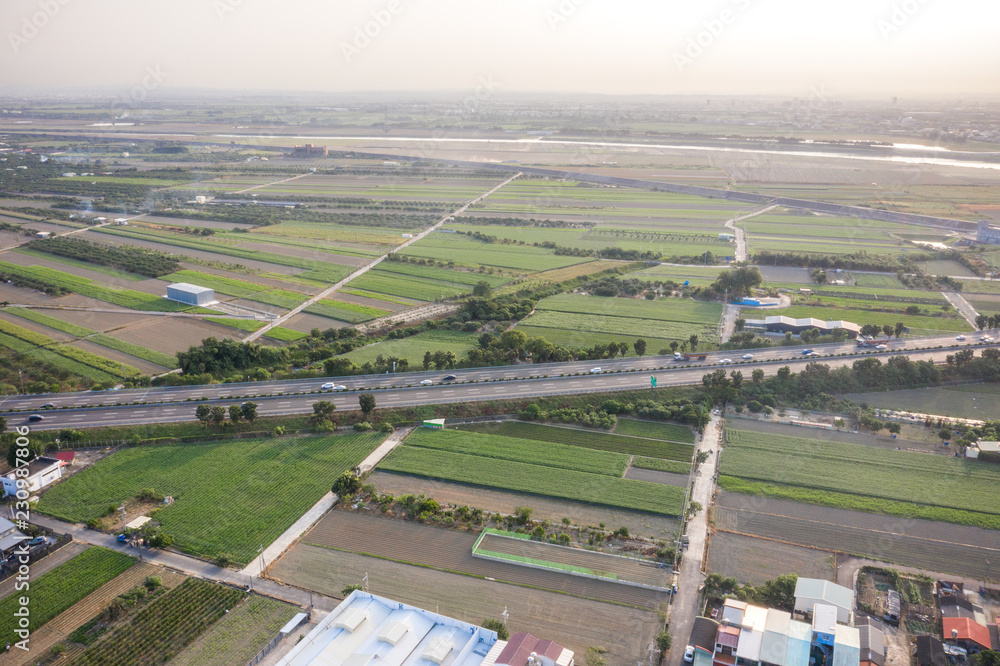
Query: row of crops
[[861, 477], [112, 368]]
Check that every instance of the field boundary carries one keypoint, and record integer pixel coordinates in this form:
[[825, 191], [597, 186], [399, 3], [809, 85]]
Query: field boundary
[[548, 565]]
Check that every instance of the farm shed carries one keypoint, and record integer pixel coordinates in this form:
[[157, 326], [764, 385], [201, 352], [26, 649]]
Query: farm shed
[[365, 628], [521, 647], [846, 646], [930, 652], [703, 634], [41, 472], [182, 292], [954, 606], [983, 450], [873, 647], [434, 423], [9, 536], [812, 591]]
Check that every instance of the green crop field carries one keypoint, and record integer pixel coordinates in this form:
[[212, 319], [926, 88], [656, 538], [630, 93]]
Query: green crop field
[[660, 465], [465, 251], [230, 496], [237, 637], [949, 489], [49, 357], [671, 432], [588, 439], [248, 325], [223, 285], [878, 281], [663, 309], [414, 347], [408, 286], [378, 297], [954, 401], [126, 298], [280, 298], [165, 627], [97, 268], [621, 328], [106, 365], [285, 334], [345, 311], [536, 480], [153, 356], [56, 590], [519, 449], [918, 324], [442, 274]]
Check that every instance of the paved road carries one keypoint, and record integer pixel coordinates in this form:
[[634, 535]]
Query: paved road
[[364, 269], [742, 252], [404, 389], [963, 306]]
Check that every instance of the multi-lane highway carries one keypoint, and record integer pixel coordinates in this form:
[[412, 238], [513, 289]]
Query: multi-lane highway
[[169, 404]]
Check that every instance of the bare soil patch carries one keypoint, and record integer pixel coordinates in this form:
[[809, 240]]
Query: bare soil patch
[[306, 322], [572, 622], [656, 476], [170, 335], [553, 510]]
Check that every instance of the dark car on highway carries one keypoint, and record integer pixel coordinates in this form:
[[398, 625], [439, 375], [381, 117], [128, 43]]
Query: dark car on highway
[[449, 378], [36, 417]]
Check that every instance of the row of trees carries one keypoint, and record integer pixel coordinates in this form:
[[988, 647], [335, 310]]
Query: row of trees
[[137, 260], [216, 415]]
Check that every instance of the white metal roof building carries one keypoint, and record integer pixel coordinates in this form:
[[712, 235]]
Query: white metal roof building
[[191, 294], [367, 630], [812, 591]]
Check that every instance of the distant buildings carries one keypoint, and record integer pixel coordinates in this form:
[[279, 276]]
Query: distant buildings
[[987, 233], [782, 324], [309, 150]]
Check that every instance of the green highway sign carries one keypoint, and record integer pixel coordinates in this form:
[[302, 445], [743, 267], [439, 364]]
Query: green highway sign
[[652, 381]]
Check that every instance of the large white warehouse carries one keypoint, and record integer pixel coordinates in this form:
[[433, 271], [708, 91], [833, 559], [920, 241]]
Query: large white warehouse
[[192, 294]]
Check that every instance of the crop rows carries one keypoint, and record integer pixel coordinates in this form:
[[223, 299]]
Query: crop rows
[[126, 298], [51, 322], [443, 274], [627, 328], [280, 298], [588, 439], [660, 465], [664, 309], [223, 285], [536, 480], [344, 311], [265, 485], [878, 281], [856, 469], [407, 286], [157, 633], [79, 355], [58, 589], [536, 452], [248, 325], [49, 357], [285, 334], [376, 296], [671, 432]]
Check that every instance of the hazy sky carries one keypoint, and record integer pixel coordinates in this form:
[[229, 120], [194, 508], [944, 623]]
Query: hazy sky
[[789, 47]]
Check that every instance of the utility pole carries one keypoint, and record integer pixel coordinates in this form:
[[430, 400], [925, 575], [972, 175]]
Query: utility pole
[[122, 509], [364, 582], [652, 651], [263, 565], [506, 615]]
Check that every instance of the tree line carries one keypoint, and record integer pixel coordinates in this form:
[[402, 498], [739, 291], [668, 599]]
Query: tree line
[[141, 261]]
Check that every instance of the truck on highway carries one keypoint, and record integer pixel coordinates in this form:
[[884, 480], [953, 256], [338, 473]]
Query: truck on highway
[[689, 357], [872, 342]]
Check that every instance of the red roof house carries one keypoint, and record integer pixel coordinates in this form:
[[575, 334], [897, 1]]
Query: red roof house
[[966, 631], [522, 646], [66, 456]]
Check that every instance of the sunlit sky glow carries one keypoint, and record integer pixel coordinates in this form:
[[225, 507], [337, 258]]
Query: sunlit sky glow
[[769, 47]]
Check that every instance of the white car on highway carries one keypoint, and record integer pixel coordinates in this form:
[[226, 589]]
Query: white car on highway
[[725, 361], [426, 382], [595, 371], [327, 387], [881, 347], [747, 357], [960, 338]]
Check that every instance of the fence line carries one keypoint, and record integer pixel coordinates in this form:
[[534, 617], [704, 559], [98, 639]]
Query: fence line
[[264, 651]]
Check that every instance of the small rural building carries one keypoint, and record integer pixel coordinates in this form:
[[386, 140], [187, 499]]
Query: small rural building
[[727, 237], [703, 635], [966, 633], [434, 423], [9, 536], [930, 652], [759, 635], [846, 646], [873, 646], [985, 450], [522, 647], [121, 221], [191, 294], [955, 606], [41, 472], [66, 457], [812, 591], [43, 234]]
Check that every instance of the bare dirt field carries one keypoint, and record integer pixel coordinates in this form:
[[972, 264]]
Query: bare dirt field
[[306, 322], [304, 253], [573, 622], [752, 560], [786, 274], [151, 286], [656, 476], [170, 335], [38, 328], [543, 508], [945, 547], [646, 573], [120, 357], [99, 321], [868, 439], [204, 224], [451, 550]]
